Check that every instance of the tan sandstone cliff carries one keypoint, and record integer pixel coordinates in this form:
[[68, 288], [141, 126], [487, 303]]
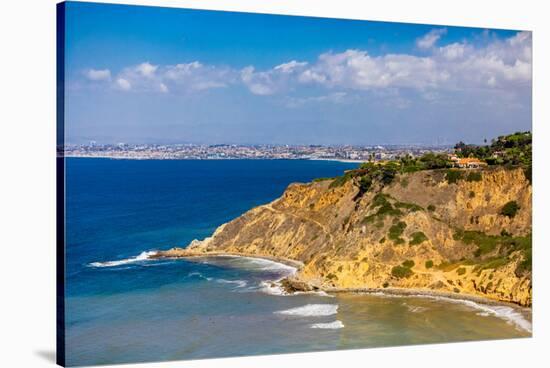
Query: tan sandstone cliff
[[453, 233]]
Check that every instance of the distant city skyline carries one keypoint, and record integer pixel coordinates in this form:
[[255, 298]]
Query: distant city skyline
[[138, 74]]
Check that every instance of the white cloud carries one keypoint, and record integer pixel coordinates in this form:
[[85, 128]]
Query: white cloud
[[356, 69], [278, 79], [180, 71], [503, 65], [195, 76], [179, 78], [430, 38], [123, 84], [290, 66], [259, 83], [98, 74], [453, 51], [146, 69]]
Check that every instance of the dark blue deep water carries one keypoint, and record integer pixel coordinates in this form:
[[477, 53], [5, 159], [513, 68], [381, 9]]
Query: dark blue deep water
[[122, 307], [119, 208]]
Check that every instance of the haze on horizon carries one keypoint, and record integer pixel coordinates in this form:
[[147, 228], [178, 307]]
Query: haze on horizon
[[139, 74]]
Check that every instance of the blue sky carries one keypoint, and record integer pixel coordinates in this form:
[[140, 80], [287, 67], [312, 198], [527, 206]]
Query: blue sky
[[162, 75]]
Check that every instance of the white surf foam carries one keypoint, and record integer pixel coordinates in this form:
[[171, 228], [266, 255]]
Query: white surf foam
[[143, 256], [238, 283], [272, 288], [311, 310], [328, 326], [266, 264], [313, 292], [415, 308], [199, 275], [509, 314]]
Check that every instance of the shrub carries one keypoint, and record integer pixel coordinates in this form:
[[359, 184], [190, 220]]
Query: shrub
[[492, 264], [341, 180], [510, 209], [461, 271], [379, 199], [474, 176], [413, 207], [388, 209], [365, 183], [401, 272], [385, 285], [396, 230], [399, 241], [453, 176], [432, 160], [429, 264], [409, 263], [418, 238], [431, 207], [384, 210], [526, 264], [382, 240], [472, 194]]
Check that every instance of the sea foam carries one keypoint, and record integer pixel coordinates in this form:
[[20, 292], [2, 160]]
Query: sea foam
[[509, 314], [328, 326], [263, 264], [311, 310], [143, 256], [237, 283]]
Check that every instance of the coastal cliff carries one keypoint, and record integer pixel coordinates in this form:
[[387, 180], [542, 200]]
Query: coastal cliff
[[466, 232]]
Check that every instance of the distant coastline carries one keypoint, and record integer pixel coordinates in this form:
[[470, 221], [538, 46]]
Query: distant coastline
[[344, 153], [212, 159]]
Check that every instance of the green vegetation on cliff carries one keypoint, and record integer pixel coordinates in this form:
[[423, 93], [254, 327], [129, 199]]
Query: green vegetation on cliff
[[395, 232], [510, 209], [418, 237], [494, 251], [514, 149], [510, 150]]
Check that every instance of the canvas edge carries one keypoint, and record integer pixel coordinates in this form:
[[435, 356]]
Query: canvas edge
[[60, 184]]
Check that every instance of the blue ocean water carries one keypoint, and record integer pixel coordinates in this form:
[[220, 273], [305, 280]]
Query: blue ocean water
[[121, 307]]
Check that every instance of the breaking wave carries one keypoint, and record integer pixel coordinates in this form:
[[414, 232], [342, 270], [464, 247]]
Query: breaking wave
[[275, 288], [237, 283], [328, 326], [143, 256], [311, 310], [509, 314]]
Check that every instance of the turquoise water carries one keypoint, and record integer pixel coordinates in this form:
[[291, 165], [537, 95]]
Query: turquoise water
[[123, 307]]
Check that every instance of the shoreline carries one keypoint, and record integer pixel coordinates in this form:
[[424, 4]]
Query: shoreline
[[285, 261], [418, 292]]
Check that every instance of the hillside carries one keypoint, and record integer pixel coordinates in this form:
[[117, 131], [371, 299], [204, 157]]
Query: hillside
[[458, 231]]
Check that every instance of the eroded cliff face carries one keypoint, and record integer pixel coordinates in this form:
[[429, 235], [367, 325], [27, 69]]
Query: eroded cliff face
[[418, 232]]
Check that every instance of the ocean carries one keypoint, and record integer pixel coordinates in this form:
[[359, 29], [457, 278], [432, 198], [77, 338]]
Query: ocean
[[122, 307]]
